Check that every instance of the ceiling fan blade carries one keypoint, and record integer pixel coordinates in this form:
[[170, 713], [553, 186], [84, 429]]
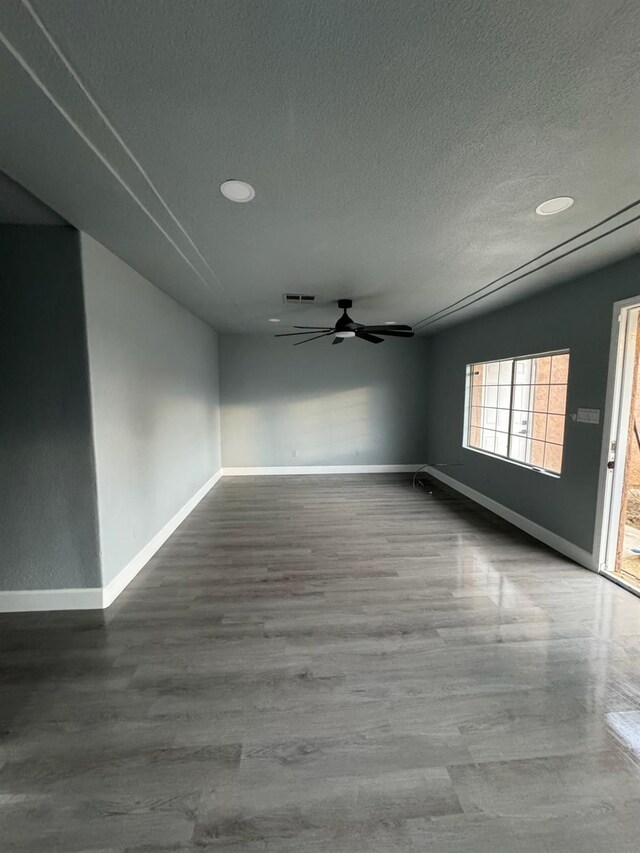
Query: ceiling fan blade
[[291, 334], [371, 338], [316, 328], [337, 341], [391, 327], [314, 338], [392, 334]]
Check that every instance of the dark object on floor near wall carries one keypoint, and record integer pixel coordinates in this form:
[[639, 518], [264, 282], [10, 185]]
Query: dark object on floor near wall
[[422, 480]]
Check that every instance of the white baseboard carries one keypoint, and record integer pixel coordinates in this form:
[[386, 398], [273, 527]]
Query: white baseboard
[[128, 573], [96, 598], [24, 600], [287, 470], [578, 555]]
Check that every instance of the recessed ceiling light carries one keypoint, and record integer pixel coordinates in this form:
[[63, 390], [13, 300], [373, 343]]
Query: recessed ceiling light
[[237, 191], [273, 320], [554, 205]]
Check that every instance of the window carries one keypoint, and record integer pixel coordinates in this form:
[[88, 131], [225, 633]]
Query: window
[[516, 409]]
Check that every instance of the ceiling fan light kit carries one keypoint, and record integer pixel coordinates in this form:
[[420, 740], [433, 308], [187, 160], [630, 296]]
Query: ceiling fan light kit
[[347, 328]]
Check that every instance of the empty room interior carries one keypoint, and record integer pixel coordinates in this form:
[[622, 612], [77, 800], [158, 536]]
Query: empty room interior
[[319, 426]]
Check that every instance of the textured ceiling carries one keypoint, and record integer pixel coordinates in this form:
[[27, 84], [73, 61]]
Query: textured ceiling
[[398, 149]]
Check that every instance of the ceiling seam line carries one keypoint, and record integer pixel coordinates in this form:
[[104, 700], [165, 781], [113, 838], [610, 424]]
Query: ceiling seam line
[[107, 122], [78, 130], [555, 248], [70, 121], [531, 272]]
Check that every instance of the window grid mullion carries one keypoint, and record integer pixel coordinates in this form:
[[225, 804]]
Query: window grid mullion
[[470, 411], [510, 424]]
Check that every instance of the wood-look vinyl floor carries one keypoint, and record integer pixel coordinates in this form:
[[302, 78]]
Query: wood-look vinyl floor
[[329, 665]]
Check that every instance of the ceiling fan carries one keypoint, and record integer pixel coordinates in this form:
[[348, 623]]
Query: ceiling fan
[[346, 328]]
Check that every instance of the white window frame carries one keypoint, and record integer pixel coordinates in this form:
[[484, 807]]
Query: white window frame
[[467, 411]]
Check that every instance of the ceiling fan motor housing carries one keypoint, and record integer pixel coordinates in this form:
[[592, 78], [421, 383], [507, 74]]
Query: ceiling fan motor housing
[[345, 322]]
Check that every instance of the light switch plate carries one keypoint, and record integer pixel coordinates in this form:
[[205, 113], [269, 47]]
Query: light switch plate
[[588, 416]]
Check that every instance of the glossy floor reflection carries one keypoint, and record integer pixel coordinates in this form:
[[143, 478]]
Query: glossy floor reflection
[[332, 664]]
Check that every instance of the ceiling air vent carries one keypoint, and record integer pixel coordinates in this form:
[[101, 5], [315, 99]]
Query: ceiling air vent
[[297, 299]]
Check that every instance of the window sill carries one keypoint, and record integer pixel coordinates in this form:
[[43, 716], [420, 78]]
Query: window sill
[[512, 462]]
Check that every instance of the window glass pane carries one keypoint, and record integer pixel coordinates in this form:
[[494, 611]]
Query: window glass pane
[[492, 372], [553, 457], [502, 420], [489, 418], [505, 372], [560, 368], [520, 423], [540, 398], [504, 396], [555, 429], [522, 372], [536, 453], [488, 440], [541, 370], [521, 396], [518, 448], [558, 399], [501, 443], [474, 436], [538, 426], [490, 396]]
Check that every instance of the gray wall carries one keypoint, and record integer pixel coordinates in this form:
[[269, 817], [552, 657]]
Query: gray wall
[[317, 404], [154, 392], [577, 315], [48, 526]]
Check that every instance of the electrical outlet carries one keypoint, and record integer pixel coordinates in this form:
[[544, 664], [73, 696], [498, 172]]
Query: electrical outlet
[[295, 454]]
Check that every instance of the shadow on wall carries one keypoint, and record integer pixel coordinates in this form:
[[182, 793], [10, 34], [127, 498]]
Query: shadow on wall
[[345, 426], [167, 414], [321, 405]]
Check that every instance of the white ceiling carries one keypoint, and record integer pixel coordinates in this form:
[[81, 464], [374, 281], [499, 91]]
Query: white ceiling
[[398, 149]]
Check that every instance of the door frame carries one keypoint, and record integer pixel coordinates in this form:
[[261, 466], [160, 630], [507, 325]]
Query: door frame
[[615, 432]]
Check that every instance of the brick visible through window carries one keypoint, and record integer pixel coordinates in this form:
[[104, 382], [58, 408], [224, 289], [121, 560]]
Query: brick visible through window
[[516, 409]]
